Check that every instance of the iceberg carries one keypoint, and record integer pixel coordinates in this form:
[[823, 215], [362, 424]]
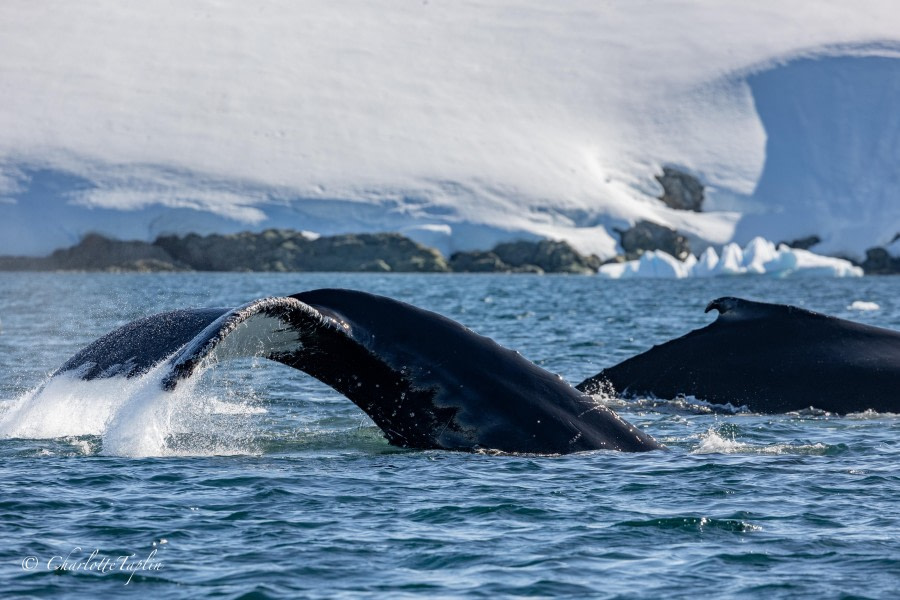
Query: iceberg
[[759, 257]]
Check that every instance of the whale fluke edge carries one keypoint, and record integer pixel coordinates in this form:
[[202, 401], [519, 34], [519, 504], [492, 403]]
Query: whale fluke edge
[[427, 381], [770, 358]]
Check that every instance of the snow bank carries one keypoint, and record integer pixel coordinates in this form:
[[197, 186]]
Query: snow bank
[[832, 149], [466, 125], [759, 257]]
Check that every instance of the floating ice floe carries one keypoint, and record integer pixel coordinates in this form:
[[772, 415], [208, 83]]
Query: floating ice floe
[[863, 305], [759, 257]]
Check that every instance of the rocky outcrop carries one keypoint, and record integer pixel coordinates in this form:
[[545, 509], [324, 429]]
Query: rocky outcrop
[[98, 253], [271, 250], [546, 256], [880, 262], [802, 243], [478, 262], [645, 236], [286, 250], [681, 191]]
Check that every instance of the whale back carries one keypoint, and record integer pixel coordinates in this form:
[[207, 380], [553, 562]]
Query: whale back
[[769, 358]]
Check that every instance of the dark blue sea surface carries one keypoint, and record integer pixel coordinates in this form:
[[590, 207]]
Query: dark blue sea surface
[[258, 481]]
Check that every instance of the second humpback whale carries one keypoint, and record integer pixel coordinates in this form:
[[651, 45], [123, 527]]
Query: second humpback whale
[[770, 358], [424, 379]]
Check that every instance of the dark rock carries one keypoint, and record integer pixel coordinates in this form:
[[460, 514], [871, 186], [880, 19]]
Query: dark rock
[[375, 266], [536, 270], [681, 190], [802, 243], [285, 250], [645, 236], [98, 253], [359, 252], [548, 255], [478, 262], [271, 250], [880, 262]]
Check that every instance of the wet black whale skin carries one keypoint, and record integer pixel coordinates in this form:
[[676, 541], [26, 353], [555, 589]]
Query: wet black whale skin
[[424, 379], [771, 358]]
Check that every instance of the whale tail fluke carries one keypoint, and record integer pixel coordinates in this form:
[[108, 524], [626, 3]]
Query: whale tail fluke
[[424, 379]]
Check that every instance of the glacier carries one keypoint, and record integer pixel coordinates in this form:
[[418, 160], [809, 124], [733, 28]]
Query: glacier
[[459, 125]]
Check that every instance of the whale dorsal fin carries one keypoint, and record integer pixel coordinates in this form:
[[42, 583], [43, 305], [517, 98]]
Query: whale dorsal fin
[[737, 309]]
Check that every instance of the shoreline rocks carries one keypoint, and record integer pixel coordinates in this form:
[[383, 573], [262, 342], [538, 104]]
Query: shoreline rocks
[[545, 256], [279, 250], [880, 262], [270, 250]]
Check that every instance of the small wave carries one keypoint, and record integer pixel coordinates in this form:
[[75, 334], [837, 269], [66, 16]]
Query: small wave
[[679, 404], [811, 411], [696, 405], [861, 415], [712, 442], [698, 524], [871, 414], [367, 439]]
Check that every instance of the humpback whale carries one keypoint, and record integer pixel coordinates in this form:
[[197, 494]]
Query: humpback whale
[[427, 381], [770, 358]]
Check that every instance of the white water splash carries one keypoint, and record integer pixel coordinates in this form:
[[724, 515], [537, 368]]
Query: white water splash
[[133, 417], [870, 414], [712, 442]]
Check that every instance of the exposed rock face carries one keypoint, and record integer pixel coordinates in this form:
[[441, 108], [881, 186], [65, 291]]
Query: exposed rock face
[[284, 250], [271, 250], [478, 262], [803, 243], [545, 256], [646, 236], [98, 253], [880, 262], [681, 190], [548, 255]]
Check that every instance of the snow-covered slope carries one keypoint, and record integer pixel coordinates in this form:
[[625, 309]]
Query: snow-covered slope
[[459, 123]]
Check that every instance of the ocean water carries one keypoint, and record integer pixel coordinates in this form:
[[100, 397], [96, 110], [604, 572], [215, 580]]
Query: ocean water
[[256, 481]]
